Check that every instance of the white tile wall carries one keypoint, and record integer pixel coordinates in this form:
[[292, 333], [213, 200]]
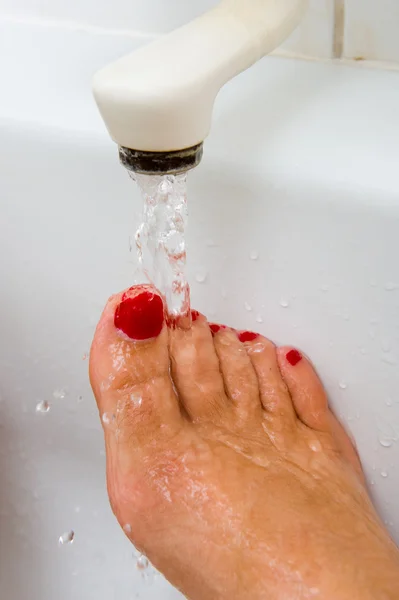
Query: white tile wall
[[371, 26], [312, 38], [372, 29], [155, 16], [315, 35]]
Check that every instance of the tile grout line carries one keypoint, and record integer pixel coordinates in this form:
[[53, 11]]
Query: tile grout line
[[339, 29]]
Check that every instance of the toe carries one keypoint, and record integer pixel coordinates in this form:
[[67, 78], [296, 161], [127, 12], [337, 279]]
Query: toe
[[307, 391], [130, 377], [240, 381], [274, 394], [311, 402], [196, 371]]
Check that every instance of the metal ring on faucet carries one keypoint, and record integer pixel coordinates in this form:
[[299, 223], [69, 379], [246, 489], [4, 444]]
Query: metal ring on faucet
[[157, 163]]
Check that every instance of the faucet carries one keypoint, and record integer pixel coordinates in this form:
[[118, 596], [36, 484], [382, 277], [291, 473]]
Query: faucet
[[157, 102]]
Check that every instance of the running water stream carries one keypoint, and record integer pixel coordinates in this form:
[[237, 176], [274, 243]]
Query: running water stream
[[160, 239]]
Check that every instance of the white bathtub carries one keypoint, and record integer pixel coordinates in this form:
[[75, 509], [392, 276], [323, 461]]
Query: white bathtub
[[301, 169]]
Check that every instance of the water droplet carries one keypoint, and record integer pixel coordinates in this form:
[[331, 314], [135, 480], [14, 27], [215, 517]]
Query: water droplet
[[363, 351], [66, 538], [389, 359], [201, 277], [108, 419], [373, 283], [315, 446], [343, 385], [324, 288], [384, 474], [85, 356], [254, 255], [248, 307], [389, 402], [142, 563], [386, 345], [372, 482], [136, 400], [259, 319], [391, 286], [80, 399], [284, 303], [386, 443], [59, 394], [42, 407], [165, 187], [256, 348], [127, 528]]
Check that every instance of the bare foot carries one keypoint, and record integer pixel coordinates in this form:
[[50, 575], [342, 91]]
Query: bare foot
[[224, 459]]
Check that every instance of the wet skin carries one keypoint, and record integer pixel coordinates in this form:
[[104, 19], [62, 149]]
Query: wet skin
[[225, 465]]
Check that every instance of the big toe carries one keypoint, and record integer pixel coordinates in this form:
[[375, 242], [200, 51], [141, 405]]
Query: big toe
[[129, 374]]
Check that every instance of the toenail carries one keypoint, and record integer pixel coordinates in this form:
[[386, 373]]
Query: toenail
[[194, 315], [140, 317], [247, 336], [294, 357], [216, 328]]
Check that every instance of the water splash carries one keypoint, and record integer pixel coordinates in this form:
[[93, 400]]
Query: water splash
[[160, 239]]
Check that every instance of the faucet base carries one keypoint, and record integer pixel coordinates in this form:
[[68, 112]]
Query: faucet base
[[161, 163]]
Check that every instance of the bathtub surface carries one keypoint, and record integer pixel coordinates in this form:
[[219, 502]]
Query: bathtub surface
[[300, 172]]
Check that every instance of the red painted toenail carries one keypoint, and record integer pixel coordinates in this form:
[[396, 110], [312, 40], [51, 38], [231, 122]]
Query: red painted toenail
[[294, 357], [140, 317], [247, 336], [214, 328], [194, 315]]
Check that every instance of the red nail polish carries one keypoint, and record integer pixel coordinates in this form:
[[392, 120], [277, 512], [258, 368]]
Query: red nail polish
[[294, 357], [247, 336], [140, 317], [214, 328], [194, 315]]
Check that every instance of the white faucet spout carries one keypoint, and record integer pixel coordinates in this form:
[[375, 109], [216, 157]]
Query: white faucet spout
[[160, 98]]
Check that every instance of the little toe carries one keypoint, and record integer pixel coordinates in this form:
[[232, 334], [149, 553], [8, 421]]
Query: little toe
[[307, 391], [129, 369], [196, 371], [311, 403]]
